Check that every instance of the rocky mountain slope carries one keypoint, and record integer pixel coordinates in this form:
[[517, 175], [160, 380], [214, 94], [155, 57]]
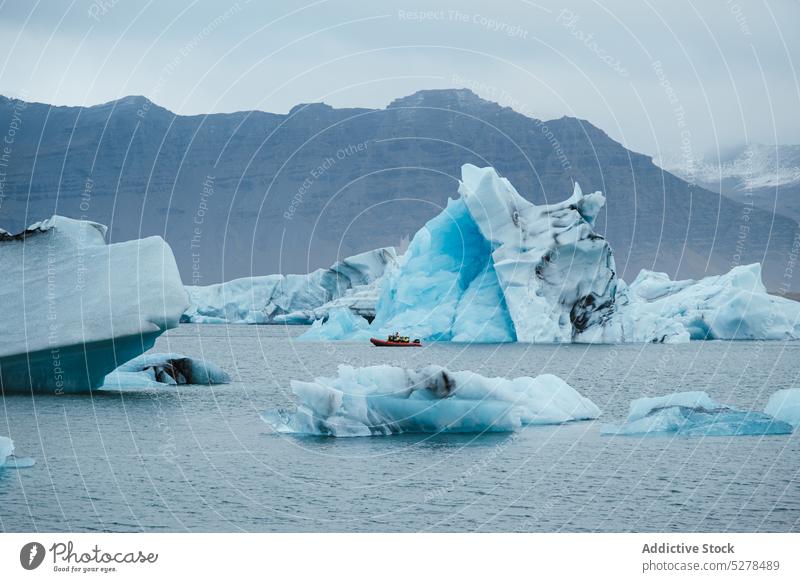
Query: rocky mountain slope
[[253, 193]]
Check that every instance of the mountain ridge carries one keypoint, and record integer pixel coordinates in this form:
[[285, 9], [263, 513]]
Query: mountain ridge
[[276, 205]]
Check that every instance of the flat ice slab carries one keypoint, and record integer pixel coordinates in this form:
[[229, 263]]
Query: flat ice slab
[[695, 414], [74, 307], [383, 400]]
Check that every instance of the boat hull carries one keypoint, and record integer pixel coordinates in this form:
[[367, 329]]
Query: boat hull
[[387, 344]]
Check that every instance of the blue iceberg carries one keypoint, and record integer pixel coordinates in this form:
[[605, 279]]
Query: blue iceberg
[[695, 414], [383, 400]]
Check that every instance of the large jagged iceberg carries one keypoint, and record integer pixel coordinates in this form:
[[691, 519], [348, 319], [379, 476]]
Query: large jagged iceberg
[[382, 400], [785, 405], [695, 414], [74, 307], [156, 369], [492, 267], [293, 299]]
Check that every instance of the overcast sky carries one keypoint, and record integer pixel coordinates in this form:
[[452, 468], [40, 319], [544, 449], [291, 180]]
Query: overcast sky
[[657, 76]]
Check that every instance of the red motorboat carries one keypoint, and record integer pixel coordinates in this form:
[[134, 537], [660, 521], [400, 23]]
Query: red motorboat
[[395, 344]]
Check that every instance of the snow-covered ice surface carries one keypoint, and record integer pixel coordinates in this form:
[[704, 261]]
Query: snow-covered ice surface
[[785, 405], [7, 458], [382, 400], [492, 267], [695, 414], [154, 370], [75, 307], [293, 299]]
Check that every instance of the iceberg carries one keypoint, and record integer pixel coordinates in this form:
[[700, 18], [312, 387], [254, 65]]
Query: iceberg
[[733, 306], [785, 405], [695, 414], [293, 299], [383, 400], [75, 306], [493, 267], [7, 458], [156, 370]]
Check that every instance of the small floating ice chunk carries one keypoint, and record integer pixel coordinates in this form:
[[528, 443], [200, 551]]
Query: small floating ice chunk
[[341, 322], [785, 405], [7, 458], [156, 370], [695, 414], [382, 400]]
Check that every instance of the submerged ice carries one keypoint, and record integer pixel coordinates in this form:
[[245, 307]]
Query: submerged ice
[[382, 400], [695, 414], [74, 307], [154, 370], [493, 267]]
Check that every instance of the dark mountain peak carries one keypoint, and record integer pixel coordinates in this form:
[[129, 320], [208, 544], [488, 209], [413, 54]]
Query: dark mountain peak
[[313, 108], [461, 99], [129, 103]]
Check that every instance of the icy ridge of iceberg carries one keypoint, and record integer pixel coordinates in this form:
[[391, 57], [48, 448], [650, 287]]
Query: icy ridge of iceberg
[[382, 400], [293, 299], [7, 458], [157, 369], [75, 306], [557, 275], [785, 405], [695, 414]]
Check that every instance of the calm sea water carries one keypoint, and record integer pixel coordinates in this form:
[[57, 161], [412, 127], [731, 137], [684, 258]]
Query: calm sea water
[[200, 459]]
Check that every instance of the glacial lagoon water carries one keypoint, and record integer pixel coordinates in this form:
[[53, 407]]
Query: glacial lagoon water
[[199, 458]]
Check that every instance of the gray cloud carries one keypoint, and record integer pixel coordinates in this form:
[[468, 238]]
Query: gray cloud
[[724, 72]]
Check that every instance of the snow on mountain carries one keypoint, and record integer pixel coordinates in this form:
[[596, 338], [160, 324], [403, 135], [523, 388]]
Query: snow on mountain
[[383, 400], [765, 176], [294, 299], [76, 307]]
